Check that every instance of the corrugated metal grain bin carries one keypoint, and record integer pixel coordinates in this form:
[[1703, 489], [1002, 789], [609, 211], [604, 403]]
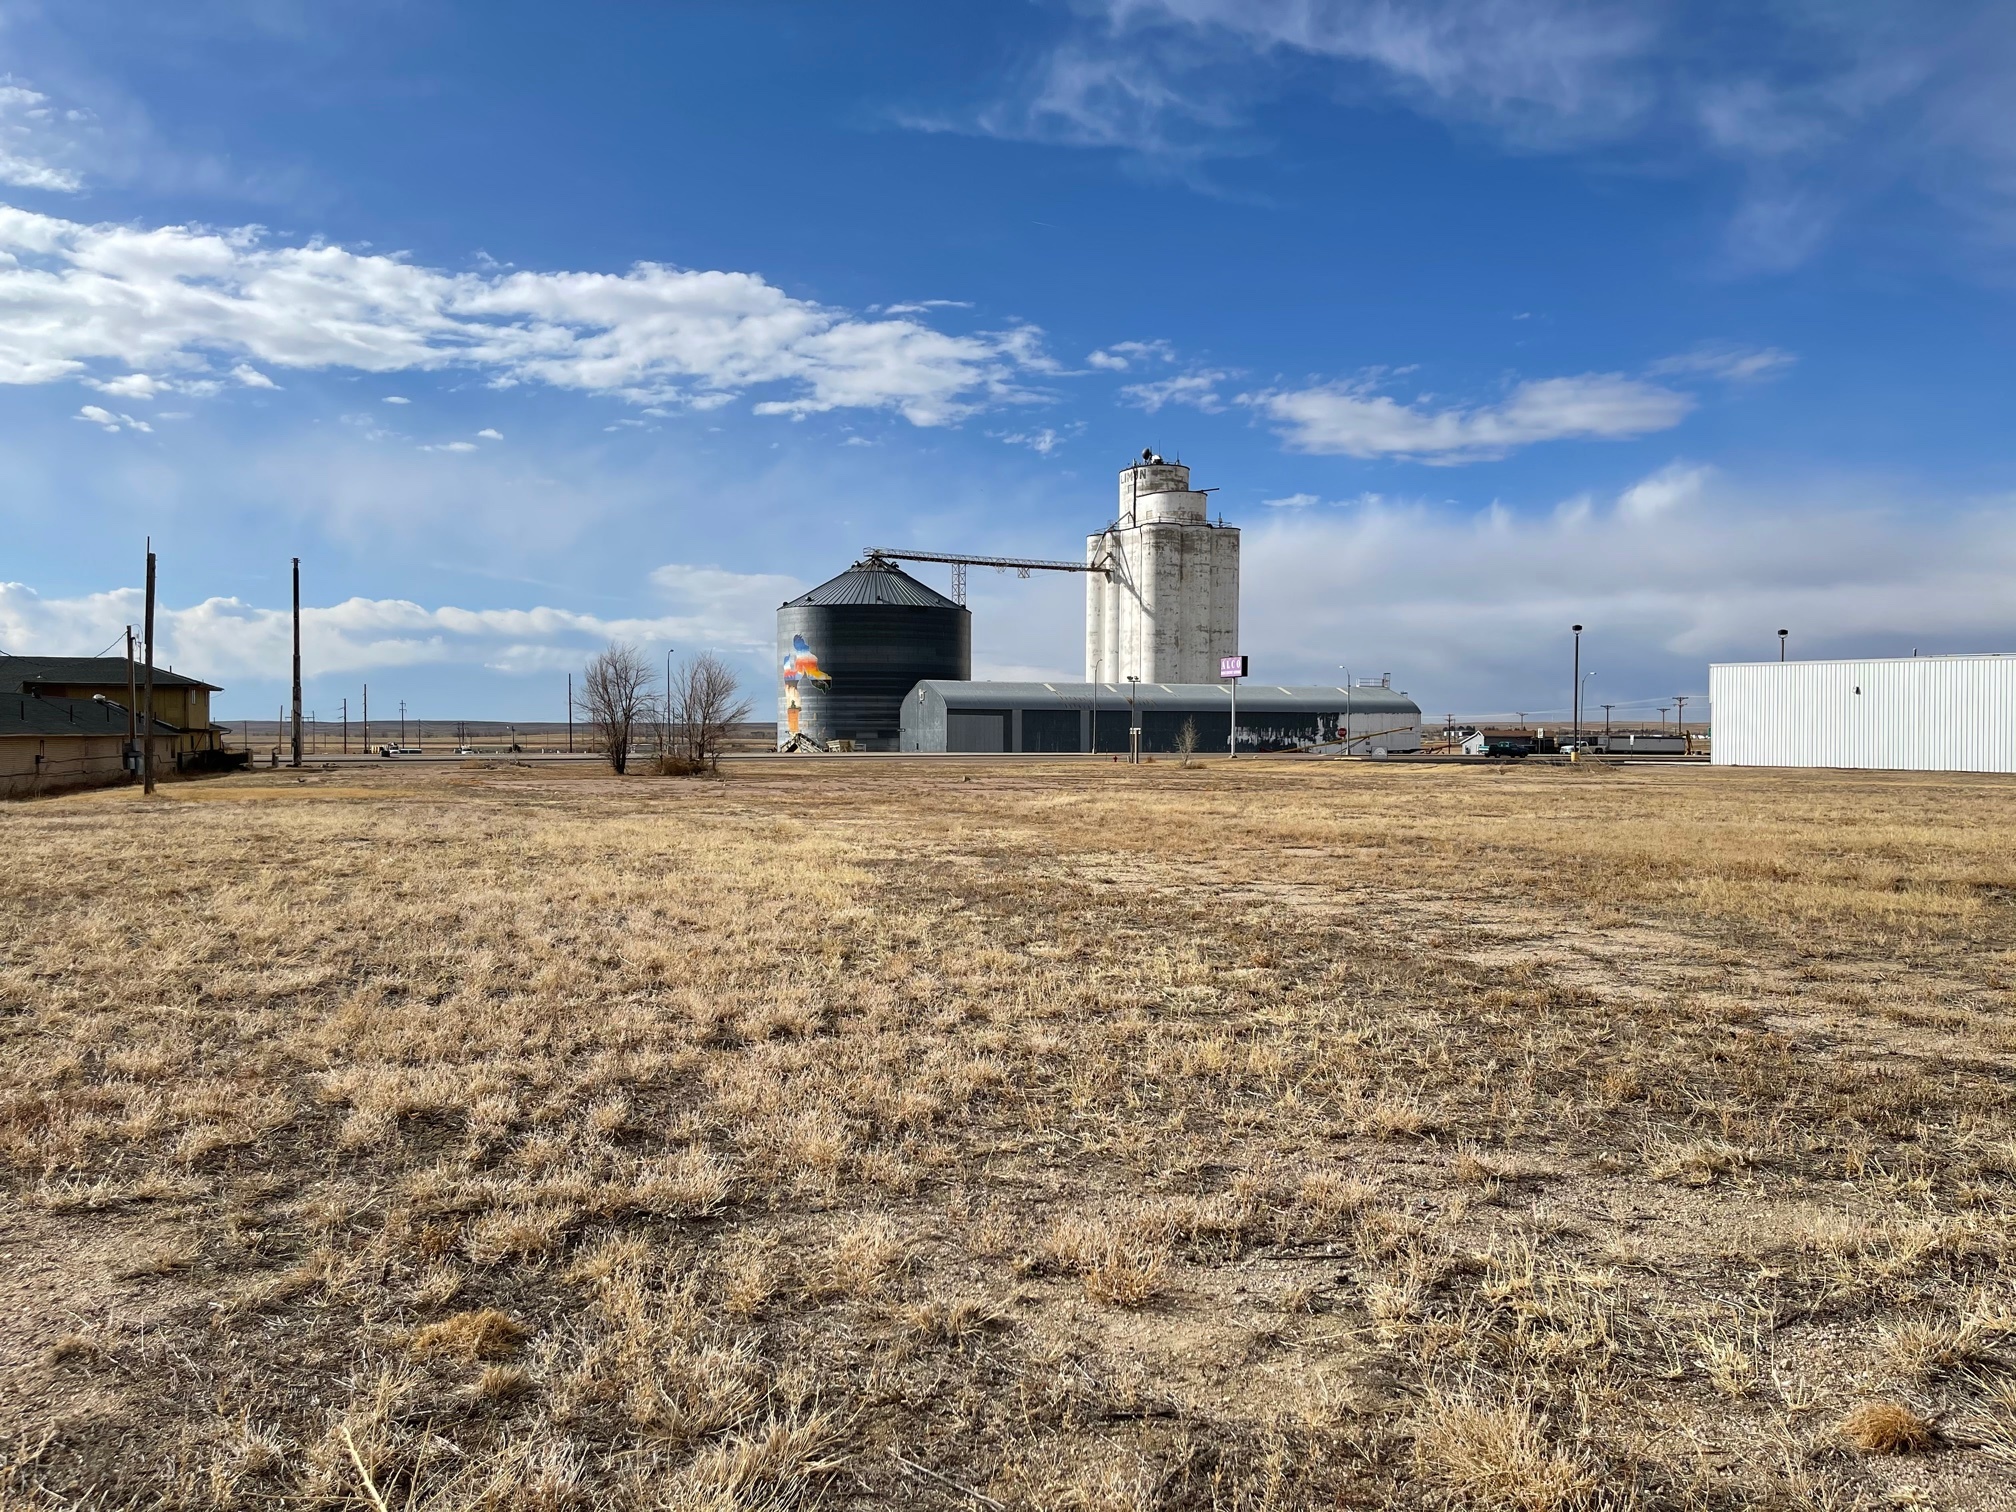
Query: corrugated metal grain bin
[[1904, 714], [852, 647]]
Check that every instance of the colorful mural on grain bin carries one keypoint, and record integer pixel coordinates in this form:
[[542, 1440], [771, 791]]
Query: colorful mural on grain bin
[[799, 662]]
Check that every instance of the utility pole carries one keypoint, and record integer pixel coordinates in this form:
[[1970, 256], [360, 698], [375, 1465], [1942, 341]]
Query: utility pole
[[402, 721], [132, 755], [147, 708], [1606, 727], [1133, 720], [570, 713], [1662, 718], [1576, 712], [346, 726], [1680, 719], [367, 719], [297, 663]]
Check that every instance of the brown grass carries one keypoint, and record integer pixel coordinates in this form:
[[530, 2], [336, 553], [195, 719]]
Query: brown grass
[[1888, 1428], [858, 1135]]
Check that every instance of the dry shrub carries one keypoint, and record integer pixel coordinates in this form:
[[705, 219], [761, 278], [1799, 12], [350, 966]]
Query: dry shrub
[[859, 1262], [949, 1322], [517, 1233], [1128, 1275], [503, 1383], [1122, 1262], [1926, 1347], [1396, 1118], [1332, 1196], [777, 1465], [1730, 1368], [482, 1335], [1889, 1428], [1694, 1162], [1498, 1455], [691, 1184]]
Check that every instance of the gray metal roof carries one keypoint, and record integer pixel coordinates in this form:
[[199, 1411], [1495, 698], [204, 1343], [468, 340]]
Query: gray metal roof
[[92, 671], [23, 714], [1254, 697], [874, 581]]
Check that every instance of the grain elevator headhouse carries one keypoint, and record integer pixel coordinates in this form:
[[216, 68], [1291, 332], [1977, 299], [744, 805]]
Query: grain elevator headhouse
[[1167, 606]]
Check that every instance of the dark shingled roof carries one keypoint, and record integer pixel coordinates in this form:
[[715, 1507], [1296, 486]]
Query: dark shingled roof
[[875, 581], [24, 714], [93, 671]]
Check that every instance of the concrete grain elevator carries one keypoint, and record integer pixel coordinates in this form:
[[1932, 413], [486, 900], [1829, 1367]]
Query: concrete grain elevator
[[1167, 606]]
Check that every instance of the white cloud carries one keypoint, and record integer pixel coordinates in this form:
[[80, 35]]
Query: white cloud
[[451, 446], [488, 433], [75, 298], [250, 377], [29, 135], [1728, 362], [1121, 356], [222, 639], [1470, 608], [111, 421], [1353, 420], [132, 386], [395, 399], [1674, 486], [1044, 441], [1199, 390], [1293, 501]]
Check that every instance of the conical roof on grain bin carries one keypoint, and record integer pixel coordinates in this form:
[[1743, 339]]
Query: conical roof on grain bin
[[874, 580]]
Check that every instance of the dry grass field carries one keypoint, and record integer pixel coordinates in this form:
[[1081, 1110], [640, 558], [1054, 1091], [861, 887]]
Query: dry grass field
[[875, 1135]]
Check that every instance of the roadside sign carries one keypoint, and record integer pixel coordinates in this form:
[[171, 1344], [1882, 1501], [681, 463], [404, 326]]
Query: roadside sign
[[1231, 666]]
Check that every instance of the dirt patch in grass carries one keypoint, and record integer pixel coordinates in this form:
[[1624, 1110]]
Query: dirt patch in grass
[[1079, 1136]]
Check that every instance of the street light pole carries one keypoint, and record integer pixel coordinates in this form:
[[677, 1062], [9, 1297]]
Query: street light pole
[[1133, 720], [1347, 706], [1781, 643], [1576, 712]]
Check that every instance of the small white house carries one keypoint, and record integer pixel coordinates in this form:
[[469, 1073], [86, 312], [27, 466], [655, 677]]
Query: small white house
[[1904, 713]]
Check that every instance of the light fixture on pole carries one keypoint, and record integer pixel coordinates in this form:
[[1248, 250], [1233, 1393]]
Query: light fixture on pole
[[1133, 720], [1575, 714], [1781, 643]]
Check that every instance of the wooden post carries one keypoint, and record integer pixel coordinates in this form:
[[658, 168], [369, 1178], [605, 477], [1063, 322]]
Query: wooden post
[[147, 708], [297, 662], [131, 699]]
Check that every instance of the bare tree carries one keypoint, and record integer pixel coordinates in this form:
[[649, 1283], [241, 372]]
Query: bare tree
[[1186, 740], [617, 699], [705, 700]]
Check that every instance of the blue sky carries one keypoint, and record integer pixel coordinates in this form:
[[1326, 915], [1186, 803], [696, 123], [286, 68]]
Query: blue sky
[[528, 327]]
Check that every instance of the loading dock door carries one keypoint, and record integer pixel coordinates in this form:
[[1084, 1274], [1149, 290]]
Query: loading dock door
[[976, 730]]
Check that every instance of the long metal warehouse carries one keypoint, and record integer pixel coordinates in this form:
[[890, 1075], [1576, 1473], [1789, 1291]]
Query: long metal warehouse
[[1906, 714], [1064, 717]]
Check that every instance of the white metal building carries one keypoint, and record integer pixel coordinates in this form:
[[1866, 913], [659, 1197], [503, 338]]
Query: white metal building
[[1908, 713], [1167, 607]]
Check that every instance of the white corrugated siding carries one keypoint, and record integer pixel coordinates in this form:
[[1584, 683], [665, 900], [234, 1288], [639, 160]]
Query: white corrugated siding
[[1912, 714]]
